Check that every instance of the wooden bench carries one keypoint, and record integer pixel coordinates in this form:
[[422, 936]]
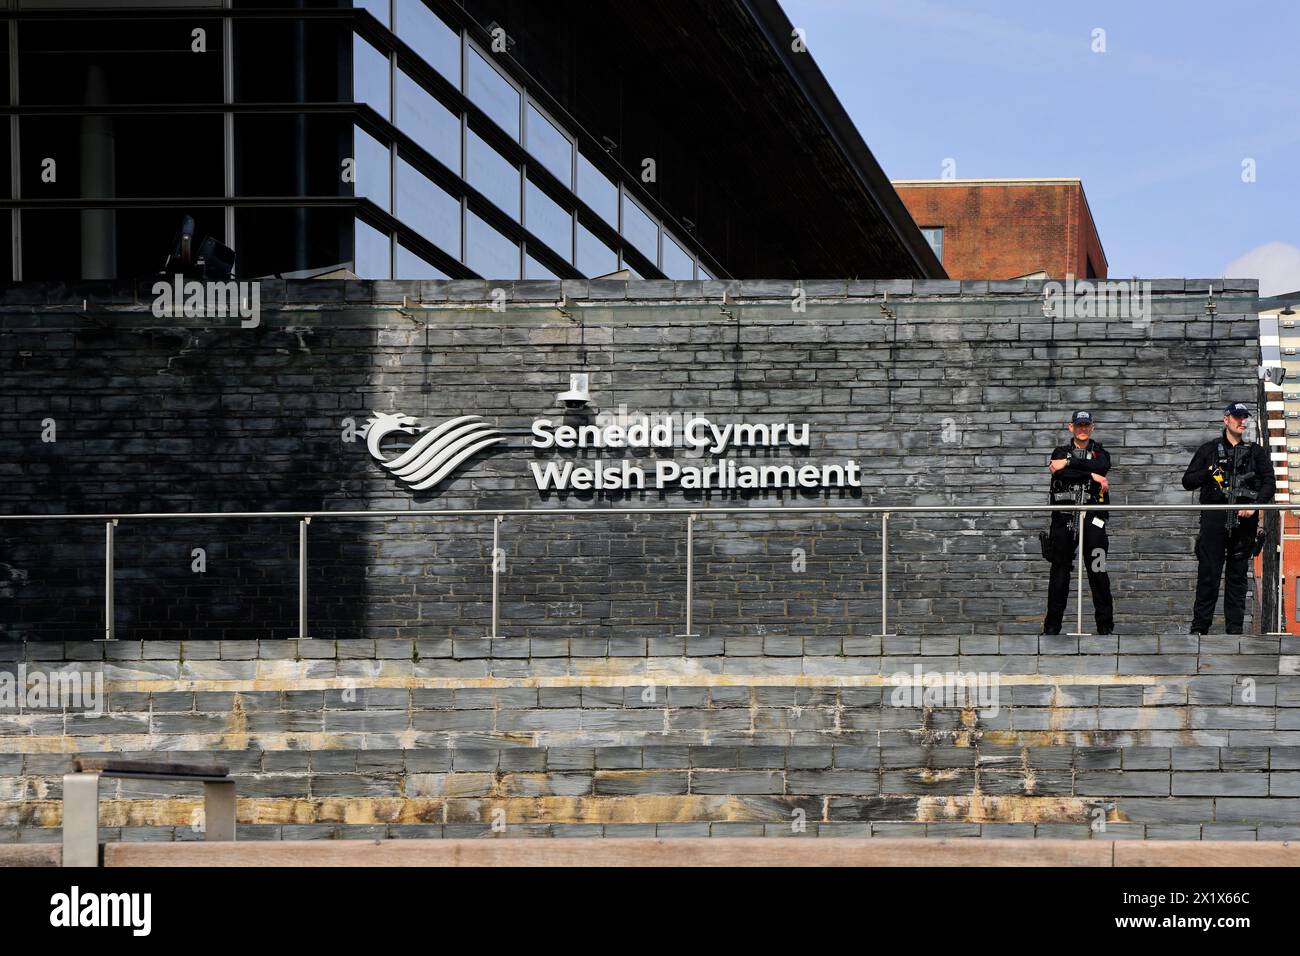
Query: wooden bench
[[81, 800]]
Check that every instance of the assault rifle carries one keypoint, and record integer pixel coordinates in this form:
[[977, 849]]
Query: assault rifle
[[1079, 495], [1079, 492], [1236, 493]]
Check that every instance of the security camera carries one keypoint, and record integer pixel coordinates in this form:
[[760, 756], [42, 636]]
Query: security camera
[[1272, 373], [578, 394]]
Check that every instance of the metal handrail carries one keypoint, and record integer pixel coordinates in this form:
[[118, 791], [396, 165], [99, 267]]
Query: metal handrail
[[304, 518], [704, 509]]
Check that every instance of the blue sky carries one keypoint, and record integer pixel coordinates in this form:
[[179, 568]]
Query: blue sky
[[1157, 126]]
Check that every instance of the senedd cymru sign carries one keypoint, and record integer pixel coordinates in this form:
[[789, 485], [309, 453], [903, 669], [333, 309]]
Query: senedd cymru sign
[[707, 445]]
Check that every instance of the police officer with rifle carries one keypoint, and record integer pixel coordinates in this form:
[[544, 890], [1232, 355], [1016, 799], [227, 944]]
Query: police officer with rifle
[[1227, 470], [1078, 472]]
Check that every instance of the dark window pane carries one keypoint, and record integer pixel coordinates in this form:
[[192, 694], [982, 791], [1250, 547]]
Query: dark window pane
[[640, 229], [270, 241], [106, 243], [595, 189], [6, 216], [424, 119], [426, 33], [492, 175], [292, 61], [373, 169], [550, 146], [594, 257], [122, 60], [412, 266], [370, 69], [5, 233], [373, 256], [116, 156], [6, 237], [549, 221], [489, 253], [493, 93], [278, 154], [428, 209]]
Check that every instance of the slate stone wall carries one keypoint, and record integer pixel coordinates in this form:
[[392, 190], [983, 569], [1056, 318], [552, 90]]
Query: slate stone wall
[[591, 713], [955, 400], [1176, 737]]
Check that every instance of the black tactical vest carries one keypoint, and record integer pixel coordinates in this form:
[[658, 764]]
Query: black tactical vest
[[1065, 490], [1237, 471]]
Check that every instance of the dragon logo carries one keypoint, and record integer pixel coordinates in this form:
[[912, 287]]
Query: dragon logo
[[436, 453]]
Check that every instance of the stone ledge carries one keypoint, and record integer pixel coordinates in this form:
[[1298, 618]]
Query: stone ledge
[[124, 298], [723, 851]]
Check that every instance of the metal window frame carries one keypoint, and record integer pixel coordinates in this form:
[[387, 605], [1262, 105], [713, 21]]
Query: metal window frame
[[15, 171], [364, 26], [472, 47], [531, 103], [451, 12]]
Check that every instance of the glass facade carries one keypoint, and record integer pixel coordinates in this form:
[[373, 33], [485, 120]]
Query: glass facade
[[548, 221], [596, 190], [426, 33], [457, 172], [549, 146], [373, 168], [594, 257], [489, 253], [370, 72], [492, 175], [640, 230], [373, 258], [434, 127], [675, 261], [493, 93], [430, 210], [411, 265]]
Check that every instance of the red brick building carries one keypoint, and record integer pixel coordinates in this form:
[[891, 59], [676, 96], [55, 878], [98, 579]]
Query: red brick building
[[1007, 228]]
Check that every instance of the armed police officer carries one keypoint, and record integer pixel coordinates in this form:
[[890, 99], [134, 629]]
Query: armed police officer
[[1227, 470], [1078, 472]]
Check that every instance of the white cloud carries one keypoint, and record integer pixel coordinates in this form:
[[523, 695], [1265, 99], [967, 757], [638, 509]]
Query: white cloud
[[1275, 264]]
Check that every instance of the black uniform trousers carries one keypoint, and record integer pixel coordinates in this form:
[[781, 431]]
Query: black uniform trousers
[[1214, 549], [1062, 576]]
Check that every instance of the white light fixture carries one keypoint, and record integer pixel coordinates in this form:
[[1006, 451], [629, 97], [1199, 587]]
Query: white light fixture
[[578, 394]]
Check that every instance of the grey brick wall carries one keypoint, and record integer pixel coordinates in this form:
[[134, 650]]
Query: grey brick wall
[[955, 402], [590, 714], [327, 744]]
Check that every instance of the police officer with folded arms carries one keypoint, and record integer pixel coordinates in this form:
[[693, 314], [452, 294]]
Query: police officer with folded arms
[[1227, 469], [1078, 472]]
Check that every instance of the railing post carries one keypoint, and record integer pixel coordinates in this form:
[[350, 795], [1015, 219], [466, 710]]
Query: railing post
[[884, 576], [1280, 630], [302, 578], [81, 819], [219, 810], [109, 603], [1079, 631], [1281, 595], [496, 572], [690, 577]]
